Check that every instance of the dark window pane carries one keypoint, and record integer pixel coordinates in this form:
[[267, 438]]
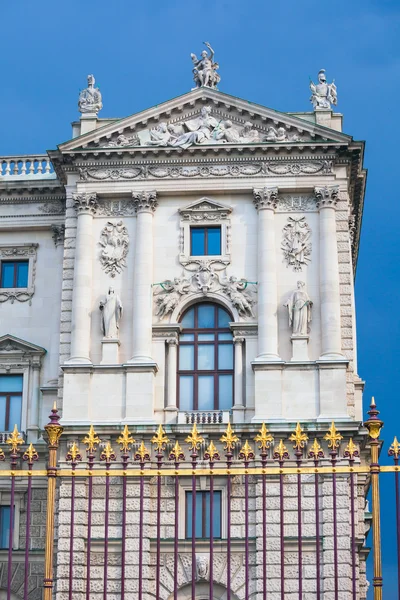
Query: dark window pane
[[197, 239], [203, 502], [225, 356], [186, 358], [189, 513], [206, 392], [186, 392], [217, 514], [5, 514], [225, 392], [205, 316], [15, 412], [22, 274], [188, 319], [7, 274], [205, 357], [11, 383], [186, 337], [225, 337], [214, 240], [206, 337], [3, 408], [223, 318]]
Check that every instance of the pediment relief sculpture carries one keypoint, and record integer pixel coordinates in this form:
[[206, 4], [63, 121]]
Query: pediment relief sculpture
[[114, 240], [205, 276], [296, 244], [203, 129]]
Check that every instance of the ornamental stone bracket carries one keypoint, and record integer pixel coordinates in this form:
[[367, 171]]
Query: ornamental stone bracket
[[18, 252], [205, 277], [85, 203]]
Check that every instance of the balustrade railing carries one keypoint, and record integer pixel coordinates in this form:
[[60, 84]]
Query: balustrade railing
[[35, 165]]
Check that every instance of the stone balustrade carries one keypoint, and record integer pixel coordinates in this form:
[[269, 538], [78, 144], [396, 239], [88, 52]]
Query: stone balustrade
[[26, 166]]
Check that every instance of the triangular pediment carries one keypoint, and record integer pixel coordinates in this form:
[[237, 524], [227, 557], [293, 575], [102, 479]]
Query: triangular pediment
[[11, 345], [204, 117], [205, 206]]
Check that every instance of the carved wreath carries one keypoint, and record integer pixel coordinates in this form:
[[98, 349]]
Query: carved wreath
[[114, 240]]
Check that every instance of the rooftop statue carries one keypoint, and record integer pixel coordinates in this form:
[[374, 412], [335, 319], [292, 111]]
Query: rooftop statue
[[323, 94], [90, 98], [205, 69]]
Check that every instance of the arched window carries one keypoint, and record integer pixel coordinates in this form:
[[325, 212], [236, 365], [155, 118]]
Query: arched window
[[205, 364]]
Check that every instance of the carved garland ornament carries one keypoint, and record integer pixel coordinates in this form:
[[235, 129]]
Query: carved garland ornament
[[206, 279], [114, 240], [296, 245]]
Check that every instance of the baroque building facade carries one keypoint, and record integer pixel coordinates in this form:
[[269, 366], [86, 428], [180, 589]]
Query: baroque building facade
[[190, 264]]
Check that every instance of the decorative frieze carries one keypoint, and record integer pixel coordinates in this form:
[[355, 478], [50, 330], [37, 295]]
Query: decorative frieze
[[145, 201], [116, 208], [296, 245], [114, 240], [289, 203], [85, 203]]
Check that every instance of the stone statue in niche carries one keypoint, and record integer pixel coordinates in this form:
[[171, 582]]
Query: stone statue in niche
[[323, 94], [205, 69], [111, 313], [90, 98], [296, 243], [202, 564], [299, 307], [114, 239]]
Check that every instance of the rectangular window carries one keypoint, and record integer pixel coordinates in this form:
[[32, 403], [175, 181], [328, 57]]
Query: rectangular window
[[202, 529], [10, 401], [5, 514], [14, 274], [205, 241]]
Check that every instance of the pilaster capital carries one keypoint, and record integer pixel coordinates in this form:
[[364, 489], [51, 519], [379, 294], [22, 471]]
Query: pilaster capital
[[237, 340], [145, 201], [85, 203], [327, 196], [172, 341], [265, 198]]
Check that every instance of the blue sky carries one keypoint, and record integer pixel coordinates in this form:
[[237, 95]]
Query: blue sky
[[140, 55]]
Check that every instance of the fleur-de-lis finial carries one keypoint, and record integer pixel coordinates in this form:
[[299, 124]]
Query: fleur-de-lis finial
[[211, 454], [333, 437], [92, 440], [194, 439], [14, 440], [280, 452], [2, 455], [316, 451], [73, 455], [394, 449], [264, 438], [160, 439], [246, 453], [298, 437], [30, 454], [176, 453], [351, 450], [107, 454], [229, 438], [142, 453], [125, 440]]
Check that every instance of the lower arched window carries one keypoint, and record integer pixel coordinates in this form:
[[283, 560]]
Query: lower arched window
[[205, 364]]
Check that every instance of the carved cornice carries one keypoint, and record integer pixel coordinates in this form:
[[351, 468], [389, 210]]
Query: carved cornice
[[85, 203], [265, 198], [327, 196], [145, 201]]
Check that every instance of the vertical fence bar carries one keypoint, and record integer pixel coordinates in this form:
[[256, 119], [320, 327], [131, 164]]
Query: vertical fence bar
[[229, 439], [316, 453], [211, 455], [72, 456], [281, 454], [374, 425], [106, 455], [299, 438], [264, 439], [125, 441], [246, 454], [351, 452], [394, 451], [54, 431], [15, 440], [91, 441], [142, 455], [176, 455], [194, 440], [160, 440]]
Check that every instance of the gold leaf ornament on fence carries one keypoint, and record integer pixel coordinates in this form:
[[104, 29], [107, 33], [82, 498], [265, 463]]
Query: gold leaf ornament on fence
[[264, 438], [333, 437], [246, 453], [281, 453], [15, 440], [298, 437], [211, 454], [30, 455], [229, 438], [394, 449], [142, 454], [73, 455], [160, 439], [125, 440], [176, 453], [316, 451], [92, 440], [194, 439], [107, 454], [351, 450]]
